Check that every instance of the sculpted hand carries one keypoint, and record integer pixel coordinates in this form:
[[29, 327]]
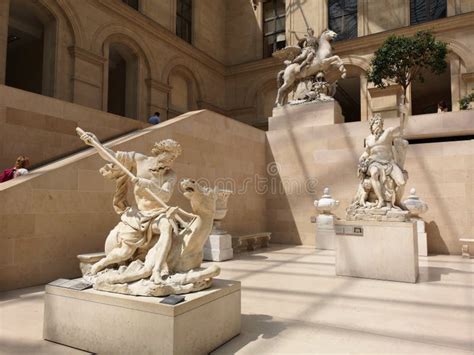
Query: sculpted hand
[[89, 138], [139, 181]]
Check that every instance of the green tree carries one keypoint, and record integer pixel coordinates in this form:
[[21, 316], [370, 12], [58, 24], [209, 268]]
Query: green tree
[[401, 59]]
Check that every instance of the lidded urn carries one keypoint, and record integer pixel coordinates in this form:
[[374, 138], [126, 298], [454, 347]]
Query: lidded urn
[[326, 204], [414, 205]]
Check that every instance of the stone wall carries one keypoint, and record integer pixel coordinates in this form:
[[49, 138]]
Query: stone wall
[[65, 208], [327, 155], [43, 128]]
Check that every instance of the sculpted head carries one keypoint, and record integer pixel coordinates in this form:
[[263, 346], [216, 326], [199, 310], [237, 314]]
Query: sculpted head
[[328, 34], [310, 32], [202, 199], [166, 151], [376, 124]]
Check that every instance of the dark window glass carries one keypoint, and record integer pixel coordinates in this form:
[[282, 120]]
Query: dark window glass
[[274, 37], [343, 18], [426, 10], [131, 3], [184, 19]]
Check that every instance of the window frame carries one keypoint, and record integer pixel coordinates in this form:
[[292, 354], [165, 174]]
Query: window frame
[[355, 14], [427, 7], [275, 18], [126, 2], [182, 20]]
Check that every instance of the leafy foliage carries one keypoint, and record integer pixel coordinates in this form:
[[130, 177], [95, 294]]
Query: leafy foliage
[[401, 59], [464, 103]]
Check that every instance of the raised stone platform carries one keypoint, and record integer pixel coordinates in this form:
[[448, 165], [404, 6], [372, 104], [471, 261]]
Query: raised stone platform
[[377, 250], [250, 242], [218, 247], [109, 323], [305, 115]]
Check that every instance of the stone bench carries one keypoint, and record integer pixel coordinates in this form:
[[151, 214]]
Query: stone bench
[[250, 242], [465, 247]]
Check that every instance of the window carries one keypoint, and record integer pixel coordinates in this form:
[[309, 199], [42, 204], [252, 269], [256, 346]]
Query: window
[[426, 10], [184, 19], [273, 26], [131, 3], [343, 18]]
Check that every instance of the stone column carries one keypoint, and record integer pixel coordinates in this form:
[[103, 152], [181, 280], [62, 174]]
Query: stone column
[[87, 77], [364, 103], [4, 17]]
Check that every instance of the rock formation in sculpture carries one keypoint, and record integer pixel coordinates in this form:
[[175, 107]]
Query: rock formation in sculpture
[[155, 249], [307, 66], [381, 175]]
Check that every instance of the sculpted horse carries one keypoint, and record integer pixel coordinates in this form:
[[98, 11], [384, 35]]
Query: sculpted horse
[[182, 254], [321, 62]]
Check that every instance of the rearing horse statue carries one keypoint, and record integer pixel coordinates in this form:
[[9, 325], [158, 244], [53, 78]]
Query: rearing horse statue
[[321, 62]]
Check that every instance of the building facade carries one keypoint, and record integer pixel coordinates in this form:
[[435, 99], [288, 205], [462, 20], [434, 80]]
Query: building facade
[[135, 57]]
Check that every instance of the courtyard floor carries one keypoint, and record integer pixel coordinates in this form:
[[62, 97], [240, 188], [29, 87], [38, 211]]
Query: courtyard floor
[[292, 302]]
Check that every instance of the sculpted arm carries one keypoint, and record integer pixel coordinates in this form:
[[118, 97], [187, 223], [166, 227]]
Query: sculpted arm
[[92, 140]]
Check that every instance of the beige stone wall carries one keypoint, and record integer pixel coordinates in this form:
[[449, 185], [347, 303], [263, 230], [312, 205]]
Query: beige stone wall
[[324, 156], [43, 128], [65, 208], [377, 16], [161, 11]]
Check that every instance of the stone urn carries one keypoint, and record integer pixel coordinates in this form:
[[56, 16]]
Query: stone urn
[[221, 211], [326, 204], [414, 205]]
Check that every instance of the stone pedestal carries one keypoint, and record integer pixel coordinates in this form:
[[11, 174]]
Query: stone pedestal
[[377, 250], [422, 237], [325, 232], [109, 323], [305, 115], [218, 247]]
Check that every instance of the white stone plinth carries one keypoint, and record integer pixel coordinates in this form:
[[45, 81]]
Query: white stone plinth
[[218, 247], [109, 323], [381, 250], [325, 232], [422, 237], [305, 115]]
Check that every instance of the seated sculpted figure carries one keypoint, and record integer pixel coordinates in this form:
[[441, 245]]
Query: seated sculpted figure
[[381, 167], [142, 223]]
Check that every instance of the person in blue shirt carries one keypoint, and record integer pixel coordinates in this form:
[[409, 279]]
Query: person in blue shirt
[[155, 119]]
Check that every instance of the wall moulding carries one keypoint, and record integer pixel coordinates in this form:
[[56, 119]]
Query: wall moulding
[[155, 84], [375, 40], [158, 31], [87, 56]]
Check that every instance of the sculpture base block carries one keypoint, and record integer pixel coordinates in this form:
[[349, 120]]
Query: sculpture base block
[[107, 323], [305, 115], [377, 250], [383, 214], [325, 232], [218, 247]]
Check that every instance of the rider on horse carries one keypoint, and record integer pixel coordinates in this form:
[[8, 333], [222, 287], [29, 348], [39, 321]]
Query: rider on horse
[[309, 46]]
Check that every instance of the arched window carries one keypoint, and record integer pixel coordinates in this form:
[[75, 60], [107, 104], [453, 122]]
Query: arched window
[[31, 48], [184, 94], [122, 81]]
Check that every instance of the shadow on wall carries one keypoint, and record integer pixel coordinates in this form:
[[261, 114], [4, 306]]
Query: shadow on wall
[[435, 240]]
